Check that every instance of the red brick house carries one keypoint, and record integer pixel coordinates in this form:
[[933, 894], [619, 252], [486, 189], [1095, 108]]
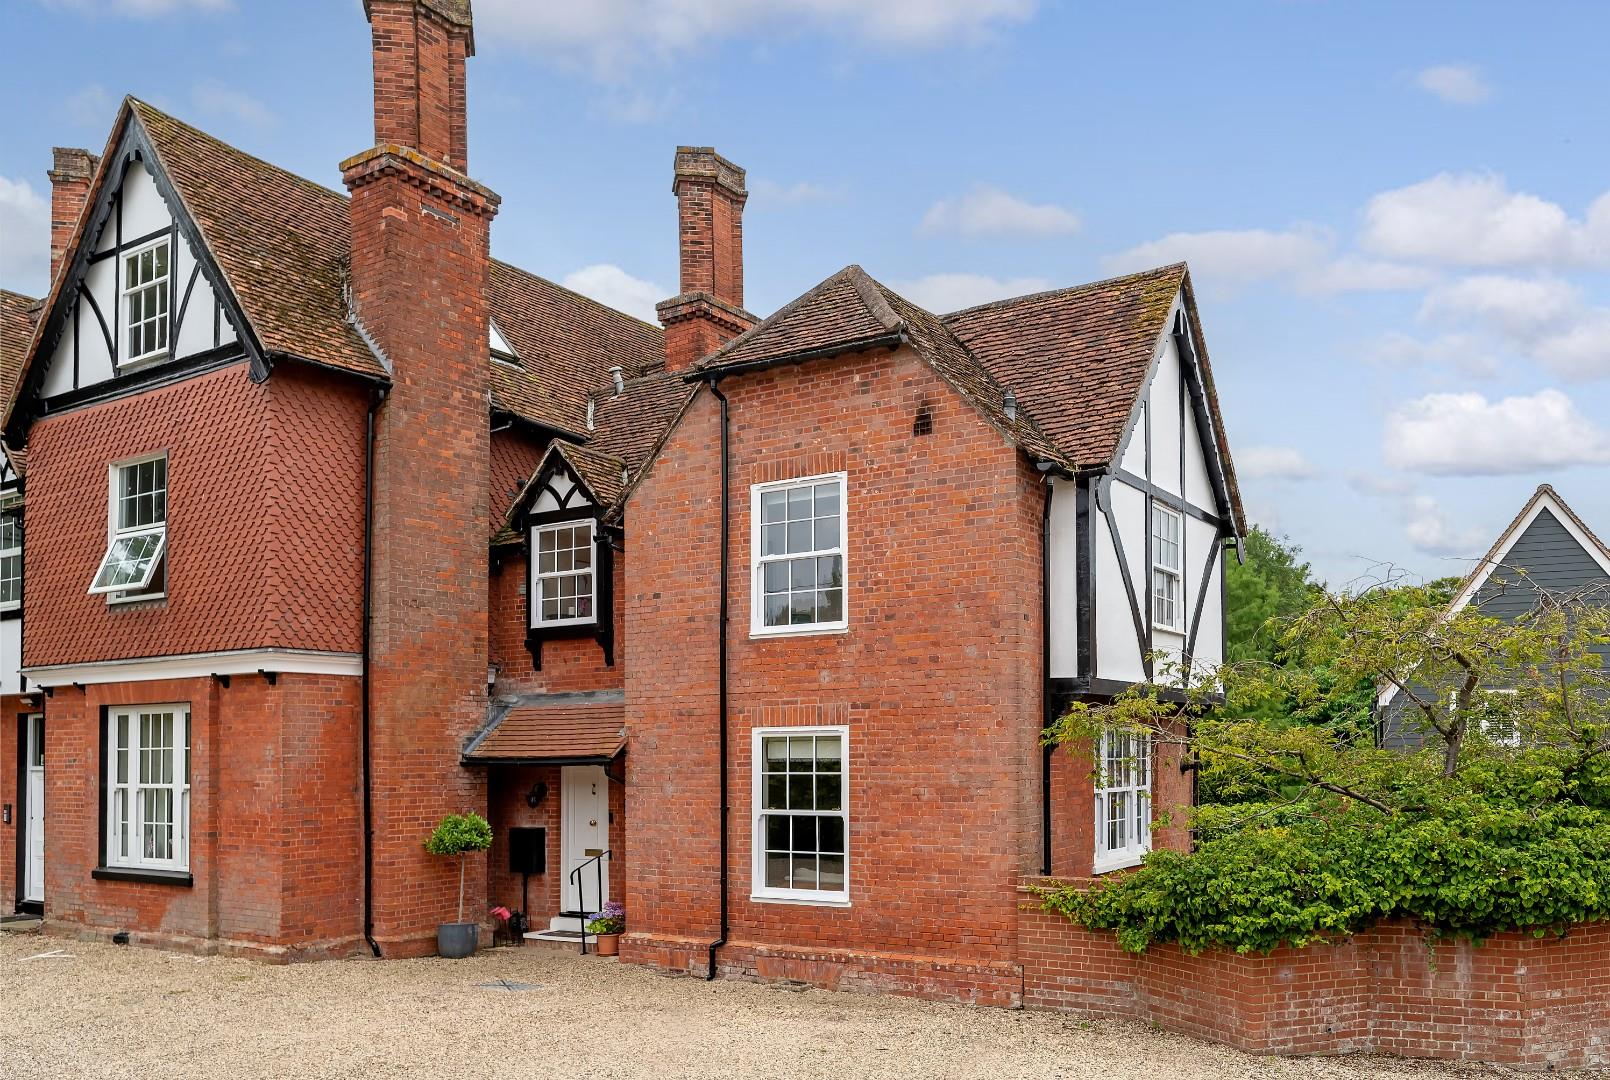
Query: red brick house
[[336, 524]]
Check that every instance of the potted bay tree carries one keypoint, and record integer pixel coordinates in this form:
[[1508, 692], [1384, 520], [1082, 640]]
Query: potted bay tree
[[458, 835]]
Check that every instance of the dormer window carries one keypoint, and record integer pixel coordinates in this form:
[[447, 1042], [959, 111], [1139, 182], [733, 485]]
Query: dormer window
[[133, 566], [566, 587], [145, 298]]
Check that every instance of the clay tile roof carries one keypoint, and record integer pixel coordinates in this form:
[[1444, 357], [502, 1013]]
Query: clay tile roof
[[566, 344], [565, 731], [284, 253], [1077, 357], [17, 314], [281, 241]]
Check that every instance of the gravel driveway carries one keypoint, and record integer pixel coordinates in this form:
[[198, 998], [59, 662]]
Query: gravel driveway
[[95, 1010]]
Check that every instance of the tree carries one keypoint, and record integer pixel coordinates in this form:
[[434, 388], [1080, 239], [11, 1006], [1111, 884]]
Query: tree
[[1499, 820], [1264, 587], [458, 835]]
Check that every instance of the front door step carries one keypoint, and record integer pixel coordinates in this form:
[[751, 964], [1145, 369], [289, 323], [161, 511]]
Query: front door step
[[568, 922]]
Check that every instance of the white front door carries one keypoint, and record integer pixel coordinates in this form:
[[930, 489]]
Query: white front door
[[33, 885], [584, 834]]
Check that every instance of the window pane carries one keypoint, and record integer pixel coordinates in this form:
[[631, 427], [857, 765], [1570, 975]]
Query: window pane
[[805, 871], [777, 870], [802, 574], [827, 499], [773, 506], [774, 577], [828, 792], [776, 613], [804, 834], [830, 571], [776, 756], [802, 609], [827, 533], [830, 606], [831, 834], [831, 874], [801, 755], [776, 832], [799, 504], [799, 792], [775, 796], [800, 536], [829, 753], [774, 540]]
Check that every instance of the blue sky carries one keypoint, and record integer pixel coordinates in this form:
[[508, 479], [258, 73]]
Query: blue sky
[[1396, 214]]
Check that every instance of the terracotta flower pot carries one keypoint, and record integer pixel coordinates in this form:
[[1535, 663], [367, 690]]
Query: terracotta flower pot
[[609, 944]]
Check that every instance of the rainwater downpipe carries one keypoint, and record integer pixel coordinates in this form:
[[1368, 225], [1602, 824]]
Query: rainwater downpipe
[[368, 620], [721, 676]]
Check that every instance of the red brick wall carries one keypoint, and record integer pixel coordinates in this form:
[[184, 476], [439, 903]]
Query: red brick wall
[[10, 834], [938, 676], [419, 276], [244, 570], [1073, 810], [274, 820], [1516, 999]]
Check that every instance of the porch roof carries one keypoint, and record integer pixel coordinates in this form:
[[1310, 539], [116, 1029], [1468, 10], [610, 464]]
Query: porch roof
[[559, 732]]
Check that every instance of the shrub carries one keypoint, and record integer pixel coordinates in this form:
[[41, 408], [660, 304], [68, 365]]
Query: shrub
[[457, 835]]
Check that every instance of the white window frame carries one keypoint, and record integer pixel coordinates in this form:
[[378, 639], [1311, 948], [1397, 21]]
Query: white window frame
[[123, 789], [538, 576], [757, 562], [9, 511], [126, 291], [1512, 741], [132, 592], [1175, 571], [759, 890], [1135, 780]]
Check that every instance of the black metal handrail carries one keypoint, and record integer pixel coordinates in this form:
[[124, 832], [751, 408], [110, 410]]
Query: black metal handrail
[[597, 862]]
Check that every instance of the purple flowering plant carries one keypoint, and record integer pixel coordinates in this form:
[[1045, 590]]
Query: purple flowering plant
[[611, 920]]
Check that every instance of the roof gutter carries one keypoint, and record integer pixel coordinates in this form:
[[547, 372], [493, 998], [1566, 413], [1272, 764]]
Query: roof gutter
[[891, 340]]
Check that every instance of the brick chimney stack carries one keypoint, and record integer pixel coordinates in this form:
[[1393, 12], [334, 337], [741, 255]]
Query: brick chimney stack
[[69, 190], [419, 51], [710, 197], [419, 282]]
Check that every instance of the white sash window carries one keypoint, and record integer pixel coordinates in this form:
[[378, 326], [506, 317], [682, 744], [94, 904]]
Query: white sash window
[[1123, 800], [148, 787]]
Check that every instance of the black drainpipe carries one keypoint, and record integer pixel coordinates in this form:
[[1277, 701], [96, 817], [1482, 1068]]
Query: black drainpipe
[[721, 693], [368, 619], [1045, 670]]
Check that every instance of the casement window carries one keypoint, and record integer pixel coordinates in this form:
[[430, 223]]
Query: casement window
[[1123, 800], [566, 586], [134, 564], [1168, 569], [145, 298], [801, 815], [797, 556], [148, 787], [10, 557]]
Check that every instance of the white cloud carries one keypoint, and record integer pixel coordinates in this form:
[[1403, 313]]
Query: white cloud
[[217, 99], [1272, 463], [1469, 354], [1378, 485], [766, 192], [609, 284], [952, 292], [1544, 318], [638, 106], [24, 237], [614, 35], [1467, 435], [1353, 273], [141, 9], [1473, 219], [1430, 529], [1457, 84], [989, 211], [1226, 258]]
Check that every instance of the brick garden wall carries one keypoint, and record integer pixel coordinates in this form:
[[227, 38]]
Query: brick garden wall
[[1538, 1003]]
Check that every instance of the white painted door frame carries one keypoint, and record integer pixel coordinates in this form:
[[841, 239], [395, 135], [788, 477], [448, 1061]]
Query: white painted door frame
[[583, 833], [33, 863]]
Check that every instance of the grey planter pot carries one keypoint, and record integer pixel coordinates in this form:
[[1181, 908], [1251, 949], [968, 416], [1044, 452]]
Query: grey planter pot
[[456, 940]]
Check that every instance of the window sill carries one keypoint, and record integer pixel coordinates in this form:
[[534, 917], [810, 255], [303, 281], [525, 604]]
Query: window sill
[[799, 901], [792, 632], [181, 878], [1121, 862]]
